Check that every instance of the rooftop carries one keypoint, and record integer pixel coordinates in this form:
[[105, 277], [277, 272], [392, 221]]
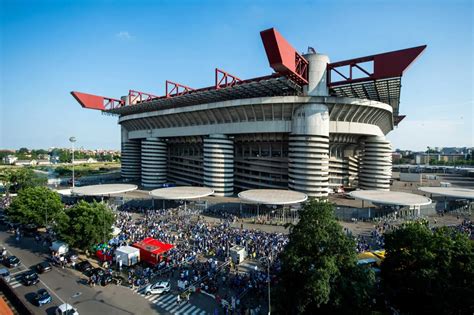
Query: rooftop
[[272, 196], [181, 193], [395, 198], [103, 190]]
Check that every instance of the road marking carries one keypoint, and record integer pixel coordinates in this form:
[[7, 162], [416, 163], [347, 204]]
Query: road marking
[[188, 308], [26, 268]]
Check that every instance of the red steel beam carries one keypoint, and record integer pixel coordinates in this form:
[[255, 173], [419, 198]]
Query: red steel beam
[[225, 79], [176, 89], [283, 58], [387, 65], [96, 102], [135, 97]]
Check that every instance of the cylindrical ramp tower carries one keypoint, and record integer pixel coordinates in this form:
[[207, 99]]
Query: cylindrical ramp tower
[[154, 159], [131, 159], [376, 164], [308, 161], [219, 164]]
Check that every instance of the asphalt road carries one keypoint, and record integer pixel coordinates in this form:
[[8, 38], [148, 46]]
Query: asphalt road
[[70, 285]]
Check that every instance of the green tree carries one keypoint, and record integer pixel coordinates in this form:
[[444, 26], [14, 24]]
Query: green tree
[[319, 267], [429, 272], [20, 178], [36, 205], [85, 224]]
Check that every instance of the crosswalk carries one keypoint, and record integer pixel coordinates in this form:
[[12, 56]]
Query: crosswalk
[[168, 303], [15, 282]]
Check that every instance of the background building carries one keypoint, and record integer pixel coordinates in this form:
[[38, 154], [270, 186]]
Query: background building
[[312, 125]]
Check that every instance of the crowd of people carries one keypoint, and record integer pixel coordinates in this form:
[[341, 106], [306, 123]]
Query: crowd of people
[[200, 257]]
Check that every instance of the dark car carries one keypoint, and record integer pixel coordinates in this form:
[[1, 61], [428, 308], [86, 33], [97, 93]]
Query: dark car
[[29, 230], [84, 267], [43, 267], [71, 256], [42, 297], [11, 262], [30, 278]]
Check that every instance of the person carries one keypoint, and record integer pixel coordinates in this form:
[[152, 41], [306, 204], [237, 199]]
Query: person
[[178, 299], [4, 252], [187, 297], [120, 265]]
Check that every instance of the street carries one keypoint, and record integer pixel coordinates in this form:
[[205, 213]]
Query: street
[[67, 285]]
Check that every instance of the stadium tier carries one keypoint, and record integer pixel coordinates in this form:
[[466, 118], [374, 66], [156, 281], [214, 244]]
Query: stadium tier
[[310, 126]]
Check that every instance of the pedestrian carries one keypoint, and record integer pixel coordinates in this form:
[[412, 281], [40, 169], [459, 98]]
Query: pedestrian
[[120, 265], [178, 299], [187, 297]]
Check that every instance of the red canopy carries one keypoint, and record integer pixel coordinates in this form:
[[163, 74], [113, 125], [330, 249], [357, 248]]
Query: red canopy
[[152, 245]]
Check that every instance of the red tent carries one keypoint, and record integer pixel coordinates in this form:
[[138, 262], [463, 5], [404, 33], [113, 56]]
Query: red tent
[[151, 250]]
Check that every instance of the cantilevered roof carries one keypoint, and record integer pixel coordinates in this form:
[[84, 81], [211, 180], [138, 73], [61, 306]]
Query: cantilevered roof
[[385, 91], [395, 198], [181, 193], [274, 85], [103, 190], [272, 196], [455, 192]]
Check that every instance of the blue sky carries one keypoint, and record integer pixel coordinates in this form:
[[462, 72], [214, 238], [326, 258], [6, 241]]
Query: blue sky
[[49, 48]]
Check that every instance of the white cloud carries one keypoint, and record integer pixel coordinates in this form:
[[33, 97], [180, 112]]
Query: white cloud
[[124, 35]]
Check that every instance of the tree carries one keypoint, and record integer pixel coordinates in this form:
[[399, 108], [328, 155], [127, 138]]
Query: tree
[[428, 271], [85, 224], [20, 178], [35, 205], [319, 267]]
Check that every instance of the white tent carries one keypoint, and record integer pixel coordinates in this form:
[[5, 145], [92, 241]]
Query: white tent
[[128, 255]]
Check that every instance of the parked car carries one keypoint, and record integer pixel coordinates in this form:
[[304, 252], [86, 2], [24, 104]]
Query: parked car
[[43, 267], [66, 309], [42, 297], [11, 262], [30, 278], [29, 230], [70, 256], [84, 266], [5, 274], [159, 287]]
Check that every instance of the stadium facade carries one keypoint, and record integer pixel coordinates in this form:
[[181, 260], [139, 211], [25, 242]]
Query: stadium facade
[[310, 126]]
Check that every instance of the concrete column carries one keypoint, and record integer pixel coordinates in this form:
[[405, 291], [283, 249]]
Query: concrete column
[[376, 164], [130, 158], [219, 164], [154, 159], [308, 160], [317, 76]]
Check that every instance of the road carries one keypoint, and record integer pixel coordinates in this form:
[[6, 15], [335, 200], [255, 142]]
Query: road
[[65, 283]]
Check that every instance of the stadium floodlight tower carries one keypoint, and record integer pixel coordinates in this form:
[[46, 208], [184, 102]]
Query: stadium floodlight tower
[[311, 126], [72, 140]]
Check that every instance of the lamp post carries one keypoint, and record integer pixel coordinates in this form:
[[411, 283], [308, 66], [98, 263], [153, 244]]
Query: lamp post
[[269, 280], [72, 140]]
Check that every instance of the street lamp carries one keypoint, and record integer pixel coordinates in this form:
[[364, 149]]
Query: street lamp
[[72, 140]]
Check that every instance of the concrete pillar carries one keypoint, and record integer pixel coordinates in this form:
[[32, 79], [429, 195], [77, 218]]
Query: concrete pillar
[[154, 159], [376, 164], [130, 157], [317, 77], [308, 160], [219, 164]]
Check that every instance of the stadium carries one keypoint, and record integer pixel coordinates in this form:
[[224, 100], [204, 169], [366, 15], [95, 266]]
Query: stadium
[[310, 126]]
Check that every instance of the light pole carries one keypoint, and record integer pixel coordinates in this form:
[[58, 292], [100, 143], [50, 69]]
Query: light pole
[[269, 279], [72, 140]]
